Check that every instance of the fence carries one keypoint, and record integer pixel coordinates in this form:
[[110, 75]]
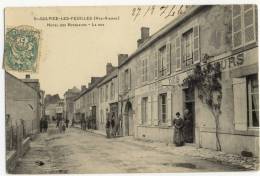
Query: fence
[[17, 131]]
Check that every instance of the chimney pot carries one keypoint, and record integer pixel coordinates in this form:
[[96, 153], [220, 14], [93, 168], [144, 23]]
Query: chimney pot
[[122, 58], [109, 68]]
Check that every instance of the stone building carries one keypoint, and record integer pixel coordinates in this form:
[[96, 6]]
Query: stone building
[[91, 103], [23, 101], [126, 93], [69, 96], [108, 95], [79, 105], [204, 34]]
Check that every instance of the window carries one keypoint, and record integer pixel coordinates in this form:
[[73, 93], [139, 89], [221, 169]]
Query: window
[[188, 48], [127, 80], [144, 69], [162, 61], [112, 89], [243, 25], [100, 94], [163, 107], [144, 110], [253, 101], [101, 117], [106, 92]]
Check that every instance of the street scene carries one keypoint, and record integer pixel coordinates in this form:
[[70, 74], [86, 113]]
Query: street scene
[[185, 97], [53, 153]]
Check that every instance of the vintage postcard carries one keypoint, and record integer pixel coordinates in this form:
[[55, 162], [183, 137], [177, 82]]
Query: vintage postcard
[[131, 89]]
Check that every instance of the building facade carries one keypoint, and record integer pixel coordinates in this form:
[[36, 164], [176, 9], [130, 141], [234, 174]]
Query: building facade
[[204, 34], [91, 99], [23, 102], [126, 93], [69, 96], [108, 96]]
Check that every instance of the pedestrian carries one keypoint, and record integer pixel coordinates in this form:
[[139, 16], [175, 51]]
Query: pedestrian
[[117, 126], [178, 130], [188, 126], [45, 124], [41, 125], [108, 126], [62, 126], [113, 129], [72, 122], [67, 122]]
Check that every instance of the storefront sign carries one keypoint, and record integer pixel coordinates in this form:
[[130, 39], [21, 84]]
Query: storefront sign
[[232, 61]]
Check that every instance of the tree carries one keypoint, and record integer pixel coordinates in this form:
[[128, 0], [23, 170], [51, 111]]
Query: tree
[[207, 79]]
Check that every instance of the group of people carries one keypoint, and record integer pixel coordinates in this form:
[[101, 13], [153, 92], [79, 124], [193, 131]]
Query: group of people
[[62, 124], [43, 124], [87, 122], [183, 128], [112, 125]]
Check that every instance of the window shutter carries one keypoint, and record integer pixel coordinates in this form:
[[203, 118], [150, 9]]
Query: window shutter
[[178, 53], [155, 64], [155, 111], [237, 39], [173, 61], [146, 69], [129, 79], [169, 108], [196, 44], [143, 67], [139, 107], [149, 110], [168, 58], [159, 63], [240, 103], [249, 24]]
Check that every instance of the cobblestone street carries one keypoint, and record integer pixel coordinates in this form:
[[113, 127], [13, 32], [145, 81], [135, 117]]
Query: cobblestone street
[[78, 151]]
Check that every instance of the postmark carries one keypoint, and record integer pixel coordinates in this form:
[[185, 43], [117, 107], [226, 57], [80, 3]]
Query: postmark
[[21, 49]]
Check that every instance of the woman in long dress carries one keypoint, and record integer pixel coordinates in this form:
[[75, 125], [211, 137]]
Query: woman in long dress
[[178, 130]]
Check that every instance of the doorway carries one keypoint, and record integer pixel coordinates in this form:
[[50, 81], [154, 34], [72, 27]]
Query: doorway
[[129, 124], [189, 118]]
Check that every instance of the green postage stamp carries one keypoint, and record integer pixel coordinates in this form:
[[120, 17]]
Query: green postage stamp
[[21, 49]]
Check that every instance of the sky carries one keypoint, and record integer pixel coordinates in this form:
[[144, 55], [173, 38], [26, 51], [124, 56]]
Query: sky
[[70, 56]]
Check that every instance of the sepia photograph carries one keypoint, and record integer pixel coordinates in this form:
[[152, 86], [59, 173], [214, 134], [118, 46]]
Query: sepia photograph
[[112, 89]]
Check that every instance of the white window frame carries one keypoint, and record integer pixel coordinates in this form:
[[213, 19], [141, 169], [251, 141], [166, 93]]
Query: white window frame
[[162, 54], [161, 113], [187, 37], [242, 16]]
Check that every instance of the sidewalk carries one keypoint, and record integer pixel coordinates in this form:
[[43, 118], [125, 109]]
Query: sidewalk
[[249, 163]]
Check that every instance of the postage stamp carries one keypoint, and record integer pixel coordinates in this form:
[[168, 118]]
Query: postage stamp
[[21, 49]]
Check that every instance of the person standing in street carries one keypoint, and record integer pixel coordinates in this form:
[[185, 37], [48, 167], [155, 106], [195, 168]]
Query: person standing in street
[[108, 126], [67, 122], [41, 125], [113, 129], [178, 130], [45, 124]]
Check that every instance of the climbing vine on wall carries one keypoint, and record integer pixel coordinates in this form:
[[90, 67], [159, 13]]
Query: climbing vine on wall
[[207, 80]]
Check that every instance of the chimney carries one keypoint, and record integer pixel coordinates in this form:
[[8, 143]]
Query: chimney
[[144, 33], [83, 87], [27, 76], [144, 36], [122, 58], [94, 79], [109, 68]]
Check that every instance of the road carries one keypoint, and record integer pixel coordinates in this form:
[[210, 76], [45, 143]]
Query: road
[[80, 152]]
